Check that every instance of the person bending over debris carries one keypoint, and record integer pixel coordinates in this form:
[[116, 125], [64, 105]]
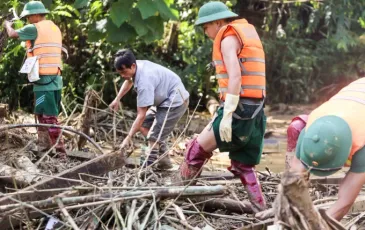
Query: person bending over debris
[[334, 137], [240, 122], [43, 40], [161, 101]]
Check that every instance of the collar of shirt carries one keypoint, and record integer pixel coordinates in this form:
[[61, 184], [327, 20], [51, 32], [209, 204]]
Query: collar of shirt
[[138, 74]]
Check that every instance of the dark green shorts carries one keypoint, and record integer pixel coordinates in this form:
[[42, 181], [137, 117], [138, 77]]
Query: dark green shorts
[[47, 102], [247, 135]]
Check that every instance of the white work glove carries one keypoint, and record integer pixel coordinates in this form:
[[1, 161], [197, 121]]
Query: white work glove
[[225, 127]]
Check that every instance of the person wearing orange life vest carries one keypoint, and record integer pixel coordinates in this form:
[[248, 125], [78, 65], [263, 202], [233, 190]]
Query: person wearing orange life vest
[[240, 122], [333, 138], [44, 40]]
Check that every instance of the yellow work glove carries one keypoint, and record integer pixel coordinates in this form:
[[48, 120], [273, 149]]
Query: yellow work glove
[[225, 127]]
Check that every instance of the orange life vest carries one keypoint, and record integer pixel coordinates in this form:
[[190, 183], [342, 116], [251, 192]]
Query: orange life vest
[[47, 47], [251, 59], [349, 104]]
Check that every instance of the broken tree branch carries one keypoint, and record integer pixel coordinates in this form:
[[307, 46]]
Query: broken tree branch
[[15, 126]]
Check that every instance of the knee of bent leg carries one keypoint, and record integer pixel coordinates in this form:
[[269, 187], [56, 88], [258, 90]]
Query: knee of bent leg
[[195, 152]]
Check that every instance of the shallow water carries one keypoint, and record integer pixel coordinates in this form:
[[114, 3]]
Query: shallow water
[[273, 157]]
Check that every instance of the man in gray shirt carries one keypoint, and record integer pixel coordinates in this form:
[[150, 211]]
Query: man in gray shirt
[[160, 96]]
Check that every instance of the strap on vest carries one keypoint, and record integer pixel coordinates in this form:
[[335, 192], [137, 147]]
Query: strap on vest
[[251, 73], [41, 45], [224, 90], [241, 60], [252, 59], [53, 79], [247, 101], [244, 72]]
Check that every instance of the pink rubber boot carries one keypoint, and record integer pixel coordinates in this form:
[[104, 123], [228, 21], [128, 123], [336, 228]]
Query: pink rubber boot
[[251, 183], [54, 133], [195, 157]]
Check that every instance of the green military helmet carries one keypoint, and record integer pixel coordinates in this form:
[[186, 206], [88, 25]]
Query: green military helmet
[[325, 146], [213, 11], [33, 7]]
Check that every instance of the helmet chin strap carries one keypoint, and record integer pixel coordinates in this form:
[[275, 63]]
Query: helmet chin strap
[[319, 169]]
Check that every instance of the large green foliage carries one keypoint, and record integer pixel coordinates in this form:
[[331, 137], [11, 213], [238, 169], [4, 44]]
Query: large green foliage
[[308, 45]]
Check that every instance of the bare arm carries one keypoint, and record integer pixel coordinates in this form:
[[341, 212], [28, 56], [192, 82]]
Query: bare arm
[[127, 85], [141, 115], [11, 32], [230, 47], [349, 189]]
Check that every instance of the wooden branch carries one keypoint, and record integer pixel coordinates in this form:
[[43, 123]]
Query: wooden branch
[[15, 126], [20, 177], [66, 214], [294, 193], [225, 204], [86, 116], [97, 166], [26, 164]]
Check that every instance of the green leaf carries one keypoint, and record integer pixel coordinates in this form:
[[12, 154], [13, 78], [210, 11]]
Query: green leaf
[[147, 8], [97, 31], [156, 27], [80, 3], [138, 23], [123, 33], [120, 11], [165, 11]]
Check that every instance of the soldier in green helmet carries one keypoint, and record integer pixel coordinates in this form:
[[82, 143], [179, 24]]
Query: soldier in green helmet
[[333, 137], [239, 125], [44, 43]]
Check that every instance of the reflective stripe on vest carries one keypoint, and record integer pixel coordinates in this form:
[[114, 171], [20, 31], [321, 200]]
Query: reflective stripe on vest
[[220, 62], [47, 47], [50, 65], [224, 90], [349, 98], [225, 75]]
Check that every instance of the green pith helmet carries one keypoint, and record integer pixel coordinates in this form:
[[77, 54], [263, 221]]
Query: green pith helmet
[[33, 7], [325, 146], [213, 11]]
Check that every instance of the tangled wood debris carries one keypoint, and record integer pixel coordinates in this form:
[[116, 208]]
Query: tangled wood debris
[[98, 187]]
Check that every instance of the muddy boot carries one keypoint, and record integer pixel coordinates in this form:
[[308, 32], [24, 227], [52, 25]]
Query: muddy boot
[[165, 162], [251, 183], [151, 157], [43, 142], [55, 134], [195, 157]]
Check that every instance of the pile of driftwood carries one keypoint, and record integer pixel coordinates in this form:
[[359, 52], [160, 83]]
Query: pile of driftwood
[[101, 188], [102, 194]]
